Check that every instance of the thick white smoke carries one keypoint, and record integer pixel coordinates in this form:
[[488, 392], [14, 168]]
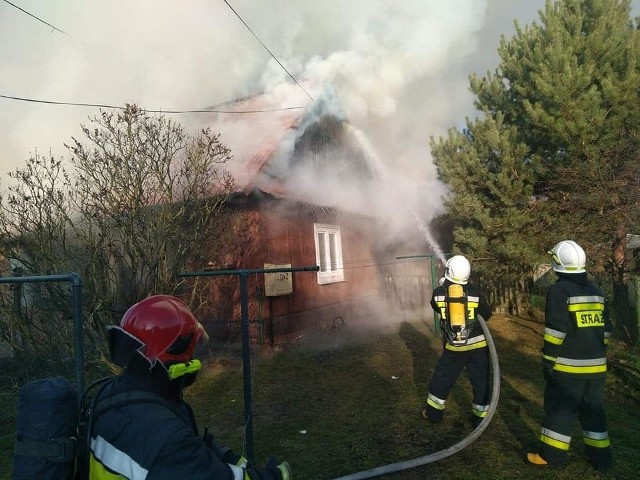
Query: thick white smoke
[[399, 69], [387, 72]]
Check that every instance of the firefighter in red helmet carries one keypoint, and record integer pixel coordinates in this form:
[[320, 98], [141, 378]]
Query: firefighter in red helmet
[[141, 427]]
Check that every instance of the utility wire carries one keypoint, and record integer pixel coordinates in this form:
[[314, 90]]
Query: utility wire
[[161, 111], [37, 18], [267, 49], [50, 102]]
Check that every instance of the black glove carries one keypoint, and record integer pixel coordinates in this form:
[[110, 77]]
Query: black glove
[[280, 470], [547, 371], [224, 453]]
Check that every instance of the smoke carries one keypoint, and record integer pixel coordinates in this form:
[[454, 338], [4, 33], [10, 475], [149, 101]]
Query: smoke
[[385, 76], [398, 72]]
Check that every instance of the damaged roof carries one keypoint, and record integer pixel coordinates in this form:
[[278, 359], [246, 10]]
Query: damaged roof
[[263, 133]]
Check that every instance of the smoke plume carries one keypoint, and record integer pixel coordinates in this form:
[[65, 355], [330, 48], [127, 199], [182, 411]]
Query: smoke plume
[[398, 70]]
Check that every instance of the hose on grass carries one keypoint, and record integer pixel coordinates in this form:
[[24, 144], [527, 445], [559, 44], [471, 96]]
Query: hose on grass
[[465, 442]]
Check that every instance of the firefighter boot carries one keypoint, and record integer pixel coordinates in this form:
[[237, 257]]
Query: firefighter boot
[[431, 414], [536, 459], [476, 421]]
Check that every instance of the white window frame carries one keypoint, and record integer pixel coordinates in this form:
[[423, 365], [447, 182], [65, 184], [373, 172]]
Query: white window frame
[[328, 241]]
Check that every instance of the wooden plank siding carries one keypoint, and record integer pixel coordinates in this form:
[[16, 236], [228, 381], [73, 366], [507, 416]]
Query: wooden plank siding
[[281, 232]]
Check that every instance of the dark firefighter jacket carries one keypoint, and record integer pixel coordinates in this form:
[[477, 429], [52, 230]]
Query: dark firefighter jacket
[[151, 441], [577, 327], [475, 305]]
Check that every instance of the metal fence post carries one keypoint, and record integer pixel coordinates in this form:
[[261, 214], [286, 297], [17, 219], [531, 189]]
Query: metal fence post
[[246, 344]]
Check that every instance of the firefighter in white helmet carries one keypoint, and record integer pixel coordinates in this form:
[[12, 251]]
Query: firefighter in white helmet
[[458, 303], [577, 330]]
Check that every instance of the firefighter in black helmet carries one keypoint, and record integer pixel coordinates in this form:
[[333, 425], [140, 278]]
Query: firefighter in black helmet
[[458, 303], [577, 330]]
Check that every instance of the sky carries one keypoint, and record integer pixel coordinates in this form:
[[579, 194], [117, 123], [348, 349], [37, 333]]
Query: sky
[[400, 69]]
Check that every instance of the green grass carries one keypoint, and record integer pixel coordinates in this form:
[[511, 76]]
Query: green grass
[[358, 406]]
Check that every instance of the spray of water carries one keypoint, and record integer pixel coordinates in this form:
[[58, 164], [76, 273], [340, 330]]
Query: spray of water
[[381, 171], [427, 234]]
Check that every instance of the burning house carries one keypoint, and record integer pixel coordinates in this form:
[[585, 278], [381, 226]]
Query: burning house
[[305, 195]]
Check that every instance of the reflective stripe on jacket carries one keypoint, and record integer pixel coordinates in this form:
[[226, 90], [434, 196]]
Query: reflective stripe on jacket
[[577, 326], [151, 441], [475, 305]]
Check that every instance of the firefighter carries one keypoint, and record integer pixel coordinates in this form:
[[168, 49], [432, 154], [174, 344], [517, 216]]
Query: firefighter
[[459, 303], [577, 330], [153, 434]]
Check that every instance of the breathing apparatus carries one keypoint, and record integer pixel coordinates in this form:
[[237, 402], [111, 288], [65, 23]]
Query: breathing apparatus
[[457, 324], [457, 328]]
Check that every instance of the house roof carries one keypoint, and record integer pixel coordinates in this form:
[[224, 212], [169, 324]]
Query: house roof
[[258, 129], [288, 142]]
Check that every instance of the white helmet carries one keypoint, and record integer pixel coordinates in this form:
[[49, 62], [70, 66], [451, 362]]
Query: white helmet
[[568, 257], [458, 269]]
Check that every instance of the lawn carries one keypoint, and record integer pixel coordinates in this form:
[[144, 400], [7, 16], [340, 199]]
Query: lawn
[[340, 402]]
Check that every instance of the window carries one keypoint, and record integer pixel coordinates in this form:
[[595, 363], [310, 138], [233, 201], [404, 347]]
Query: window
[[328, 253]]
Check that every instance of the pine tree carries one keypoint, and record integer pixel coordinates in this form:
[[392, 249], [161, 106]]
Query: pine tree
[[569, 86], [490, 202]]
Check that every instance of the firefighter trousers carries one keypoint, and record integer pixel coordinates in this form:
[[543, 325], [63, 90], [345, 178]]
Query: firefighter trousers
[[565, 398], [448, 369]]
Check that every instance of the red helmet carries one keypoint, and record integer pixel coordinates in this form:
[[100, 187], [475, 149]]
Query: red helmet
[[166, 327]]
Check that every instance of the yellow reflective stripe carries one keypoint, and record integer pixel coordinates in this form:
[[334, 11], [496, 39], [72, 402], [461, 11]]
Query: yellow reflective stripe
[[549, 357], [551, 339], [580, 369], [555, 337], [480, 410], [555, 439], [576, 307], [597, 443], [435, 402], [97, 471], [462, 348], [596, 439], [554, 443]]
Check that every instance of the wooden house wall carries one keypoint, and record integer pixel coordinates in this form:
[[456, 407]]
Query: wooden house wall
[[313, 305], [277, 233]]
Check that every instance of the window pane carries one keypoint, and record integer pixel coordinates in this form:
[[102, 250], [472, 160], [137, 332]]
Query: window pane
[[322, 249], [332, 251]]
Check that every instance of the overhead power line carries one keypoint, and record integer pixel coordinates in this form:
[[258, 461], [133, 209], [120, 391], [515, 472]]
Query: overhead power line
[[267, 49], [100, 105], [37, 18]]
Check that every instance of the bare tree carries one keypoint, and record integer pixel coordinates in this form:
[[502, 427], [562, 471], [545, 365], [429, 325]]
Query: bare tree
[[134, 206]]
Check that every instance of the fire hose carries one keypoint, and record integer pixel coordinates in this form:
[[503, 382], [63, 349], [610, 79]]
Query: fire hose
[[465, 442]]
